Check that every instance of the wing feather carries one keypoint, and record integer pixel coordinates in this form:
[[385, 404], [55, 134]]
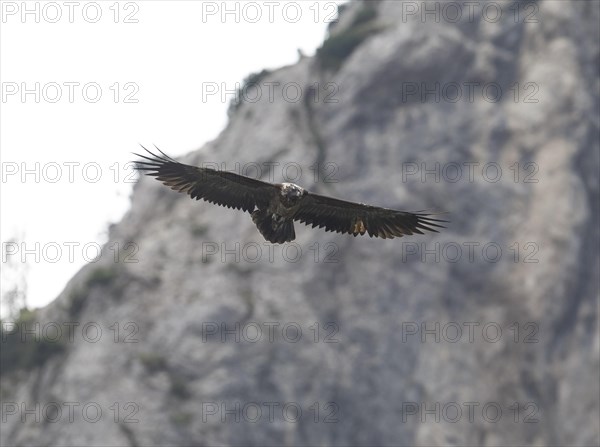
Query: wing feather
[[220, 187], [342, 216]]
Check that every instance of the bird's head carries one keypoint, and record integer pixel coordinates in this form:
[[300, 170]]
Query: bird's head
[[292, 192]]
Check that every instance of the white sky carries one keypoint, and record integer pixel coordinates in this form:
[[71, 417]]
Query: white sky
[[164, 61]]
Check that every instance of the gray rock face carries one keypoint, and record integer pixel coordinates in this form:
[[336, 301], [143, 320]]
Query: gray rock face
[[486, 334]]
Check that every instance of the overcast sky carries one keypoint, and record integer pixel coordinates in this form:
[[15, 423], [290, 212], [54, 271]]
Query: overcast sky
[[84, 82]]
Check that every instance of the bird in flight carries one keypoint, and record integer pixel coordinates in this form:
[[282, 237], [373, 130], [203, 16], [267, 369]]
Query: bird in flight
[[275, 206]]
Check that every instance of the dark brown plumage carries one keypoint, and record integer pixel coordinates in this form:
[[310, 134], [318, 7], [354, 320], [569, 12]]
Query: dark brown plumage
[[274, 207]]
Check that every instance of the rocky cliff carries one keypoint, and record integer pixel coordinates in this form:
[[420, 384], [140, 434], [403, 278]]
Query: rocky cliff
[[191, 330]]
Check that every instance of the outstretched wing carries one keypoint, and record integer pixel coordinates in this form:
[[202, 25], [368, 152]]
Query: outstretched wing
[[221, 187], [357, 218]]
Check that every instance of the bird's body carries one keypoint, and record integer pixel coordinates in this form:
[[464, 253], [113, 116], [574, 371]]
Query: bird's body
[[276, 223], [275, 207]]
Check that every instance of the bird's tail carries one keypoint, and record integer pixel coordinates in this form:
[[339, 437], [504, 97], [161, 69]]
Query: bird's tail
[[274, 231]]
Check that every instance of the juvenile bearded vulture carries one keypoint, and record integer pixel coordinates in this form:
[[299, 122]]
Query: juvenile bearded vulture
[[275, 207]]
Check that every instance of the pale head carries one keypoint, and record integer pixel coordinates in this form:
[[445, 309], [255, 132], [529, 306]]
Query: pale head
[[292, 191]]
